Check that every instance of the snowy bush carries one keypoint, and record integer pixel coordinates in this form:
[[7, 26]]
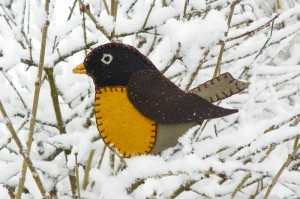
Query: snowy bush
[[50, 117]]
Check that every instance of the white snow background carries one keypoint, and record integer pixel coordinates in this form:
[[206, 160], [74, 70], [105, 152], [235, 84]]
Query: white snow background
[[236, 156]]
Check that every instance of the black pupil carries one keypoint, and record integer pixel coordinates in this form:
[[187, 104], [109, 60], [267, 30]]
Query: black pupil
[[106, 58]]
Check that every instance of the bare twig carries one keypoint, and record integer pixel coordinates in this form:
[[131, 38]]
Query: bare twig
[[102, 156], [23, 152], [277, 126], [261, 50], [106, 7], [86, 9], [35, 98], [240, 185], [77, 176], [153, 42], [131, 6], [137, 32], [63, 57], [87, 170], [172, 61], [114, 12], [60, 123], [182, 188], [269, 151], [84, 32], [186, 3], [72, 10], [17, 92], [112, 160], [291, 157], [218, 66], [8, 15], [253, 31], [28, 16], [196, 72], [148, 14]]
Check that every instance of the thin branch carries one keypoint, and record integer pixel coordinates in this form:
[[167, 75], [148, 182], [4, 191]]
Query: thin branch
[[84, 32], [69, 54], [101, 157], [54, 154], [196, 72], [72, 10], [218, 66], [251, 53], [28, 16], [172, 61], [253, 31], [291, 157], [261, 50], [30, 54], [60, 123], [35, 98], [277, 126], [106, 7], [269, 151], [183, 188], [131, 6], [17, 92], [186, 3], [77, 176], [135, 185], [112, 160], [86, 9], [8, 15], [138, 32], [23, 152], [153, 43], [114, 12], [87, 170], [148, 14], [240, 185], [203, 195]]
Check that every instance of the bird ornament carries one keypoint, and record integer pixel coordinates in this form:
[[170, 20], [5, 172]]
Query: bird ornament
[[138, 110]]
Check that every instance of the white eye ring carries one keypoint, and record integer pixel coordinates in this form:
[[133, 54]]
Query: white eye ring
[[107, 59]]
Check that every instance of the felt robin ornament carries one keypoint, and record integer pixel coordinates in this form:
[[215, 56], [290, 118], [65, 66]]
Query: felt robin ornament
[[138, 110]]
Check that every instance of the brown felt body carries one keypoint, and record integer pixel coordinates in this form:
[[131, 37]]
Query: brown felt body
[[159, 99]]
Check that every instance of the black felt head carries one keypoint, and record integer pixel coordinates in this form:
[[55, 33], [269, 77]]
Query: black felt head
[[113, 64]]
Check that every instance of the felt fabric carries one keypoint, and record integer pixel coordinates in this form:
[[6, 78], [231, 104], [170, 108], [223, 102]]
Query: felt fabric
[[159, 99], [167, 135], [220, 87], [125, 60], [120, 125], [138, 110]]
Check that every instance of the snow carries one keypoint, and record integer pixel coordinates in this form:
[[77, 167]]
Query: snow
[[3, 192], [39, 16], [217, 155], [180, 31], [11, 53]]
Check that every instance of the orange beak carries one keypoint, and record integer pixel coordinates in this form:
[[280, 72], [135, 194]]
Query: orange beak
[[79, 69]]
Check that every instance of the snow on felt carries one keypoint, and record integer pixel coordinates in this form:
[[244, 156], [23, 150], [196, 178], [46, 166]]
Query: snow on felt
[[223, 152]]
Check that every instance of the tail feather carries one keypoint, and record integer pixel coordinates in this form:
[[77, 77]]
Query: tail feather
[[220, 88]]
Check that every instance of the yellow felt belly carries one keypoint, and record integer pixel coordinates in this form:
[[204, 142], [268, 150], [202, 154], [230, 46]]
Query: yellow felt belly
[[120, 125]]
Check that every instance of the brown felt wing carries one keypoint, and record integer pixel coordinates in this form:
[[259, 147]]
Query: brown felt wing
[[159, 99]]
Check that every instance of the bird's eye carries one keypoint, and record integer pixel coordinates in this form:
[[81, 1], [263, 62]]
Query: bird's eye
[[107, 58]]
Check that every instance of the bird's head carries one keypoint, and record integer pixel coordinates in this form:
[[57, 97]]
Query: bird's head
[[113, 64]]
